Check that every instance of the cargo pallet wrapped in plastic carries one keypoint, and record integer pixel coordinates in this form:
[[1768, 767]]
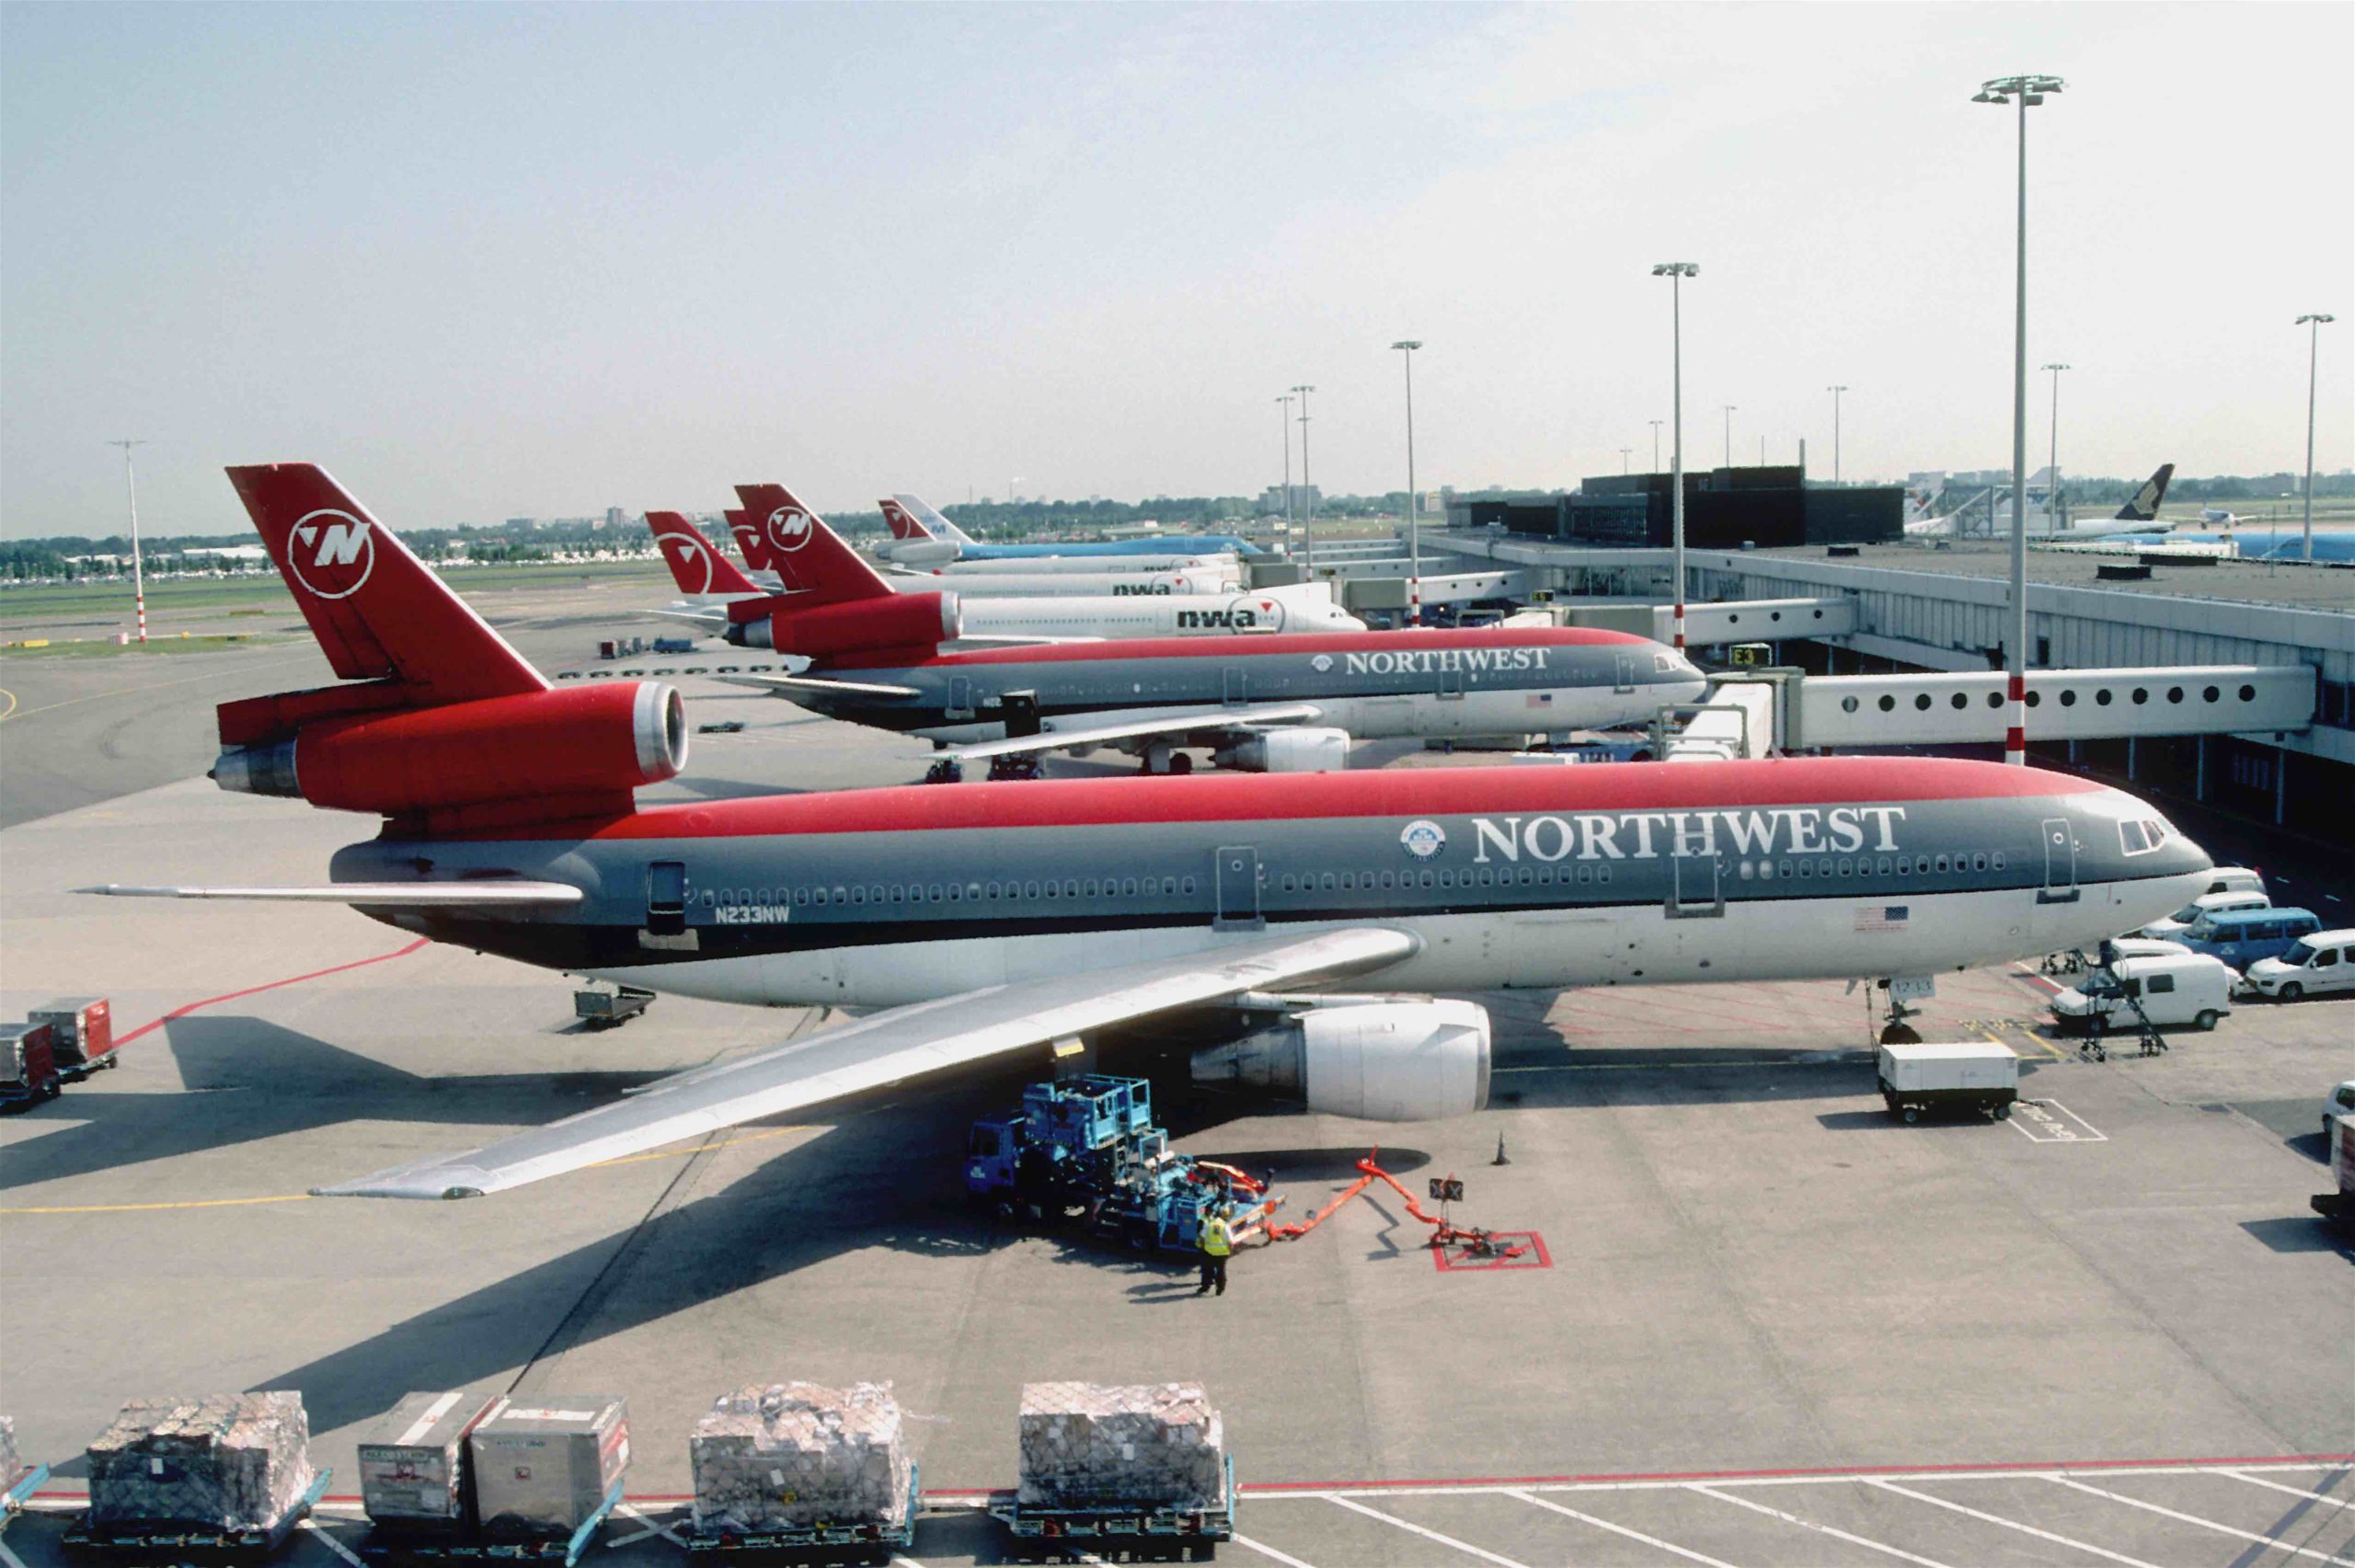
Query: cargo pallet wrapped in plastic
[[792, 1467], [1116, 1461], [18, 1481], [230, 1472]]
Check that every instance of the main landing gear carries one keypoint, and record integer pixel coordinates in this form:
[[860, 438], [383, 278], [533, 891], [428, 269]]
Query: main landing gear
[[1160, 757], [946, 771]]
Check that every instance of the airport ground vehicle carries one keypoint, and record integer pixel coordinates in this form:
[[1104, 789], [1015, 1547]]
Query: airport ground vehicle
[[29, 1071], [1979, 1076], [2172, 928], [2237, 879], [2243, 936], [846, 1540], [82, 1032], [2162, 990], [179, 1543], [2338, 1106], [1086, 1149], [1127, 1526], [2319, 964], [609, 1009], [2337, 1206]]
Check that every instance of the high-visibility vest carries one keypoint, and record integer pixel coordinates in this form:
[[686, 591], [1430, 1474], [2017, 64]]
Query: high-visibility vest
[[1215, 1239]]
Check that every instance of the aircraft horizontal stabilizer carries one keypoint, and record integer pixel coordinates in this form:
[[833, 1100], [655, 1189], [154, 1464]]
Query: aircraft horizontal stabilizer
[[786, 684], [413, 895], [1201, 721], [884, 1048]]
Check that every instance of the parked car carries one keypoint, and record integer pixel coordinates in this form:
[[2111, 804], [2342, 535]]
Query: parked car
[[2183, 919], [2314, 965], [2144, 947], [2241, 937], [2341, 1102], [2172, 988]]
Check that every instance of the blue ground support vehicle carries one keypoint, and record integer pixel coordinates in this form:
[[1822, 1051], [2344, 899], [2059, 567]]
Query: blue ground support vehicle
[[2241, 937], [20, 1492], [1086, 1148]]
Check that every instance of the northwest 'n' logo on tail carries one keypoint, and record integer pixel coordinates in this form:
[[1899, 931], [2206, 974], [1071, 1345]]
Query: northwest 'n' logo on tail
[[901, 521], [810, 558], [379, 612], [696, 562], [2145, 504]]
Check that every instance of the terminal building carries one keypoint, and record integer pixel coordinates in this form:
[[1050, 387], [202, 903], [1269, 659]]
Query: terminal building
[[1728, 509], [1943, 606]]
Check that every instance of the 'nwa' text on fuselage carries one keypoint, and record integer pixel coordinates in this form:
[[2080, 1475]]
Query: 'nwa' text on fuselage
[[1648, 835]]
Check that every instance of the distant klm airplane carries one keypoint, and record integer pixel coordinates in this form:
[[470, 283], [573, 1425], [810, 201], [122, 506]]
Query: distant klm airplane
[[921, 536]]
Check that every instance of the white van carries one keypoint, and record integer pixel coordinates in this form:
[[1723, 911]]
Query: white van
[[2236, 879], [2315, 966], [2192, 989], [2184, 918]]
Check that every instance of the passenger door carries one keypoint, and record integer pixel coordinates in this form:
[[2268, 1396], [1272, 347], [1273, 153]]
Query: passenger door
[[2059, 864], [961, 697], [1237, 879], [666, 898], [1237, 689]]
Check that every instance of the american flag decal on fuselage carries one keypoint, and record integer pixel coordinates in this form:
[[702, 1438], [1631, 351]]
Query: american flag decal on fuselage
[[1880, 917]]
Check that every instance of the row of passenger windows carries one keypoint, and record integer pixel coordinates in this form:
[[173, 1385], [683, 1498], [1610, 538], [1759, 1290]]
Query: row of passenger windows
[[953, 892], [1869, 866], [1486, 876]]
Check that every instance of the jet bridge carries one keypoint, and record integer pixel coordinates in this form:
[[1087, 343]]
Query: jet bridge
[[1753, 714]]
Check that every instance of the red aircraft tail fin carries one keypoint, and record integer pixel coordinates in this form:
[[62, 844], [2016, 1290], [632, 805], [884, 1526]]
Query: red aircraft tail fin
[[749, 543], [696, 562], [810, 556], [379, 612], [904, 523]]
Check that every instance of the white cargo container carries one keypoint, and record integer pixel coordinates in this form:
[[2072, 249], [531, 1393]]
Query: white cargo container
[[1982, 1076], [548, 1464]]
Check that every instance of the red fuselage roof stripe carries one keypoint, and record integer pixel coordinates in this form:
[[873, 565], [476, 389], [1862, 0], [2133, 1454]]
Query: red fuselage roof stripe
[[1249, 646], [1626, 786]]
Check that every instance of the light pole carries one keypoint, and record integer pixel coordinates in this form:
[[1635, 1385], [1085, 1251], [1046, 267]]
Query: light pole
[[2313, 324], [130, 488], [1676, 272], [1730, 409], [1308, 490], [1625, 453], [2052, 464], [1655, 425], [2030, 91], [1285, 419], [1835, 392], [1406, 347]]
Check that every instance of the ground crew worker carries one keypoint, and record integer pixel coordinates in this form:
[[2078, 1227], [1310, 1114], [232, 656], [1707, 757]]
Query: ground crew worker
[[1217, 1240]]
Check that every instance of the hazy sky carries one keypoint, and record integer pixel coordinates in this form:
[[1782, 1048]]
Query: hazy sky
[[492, 260]]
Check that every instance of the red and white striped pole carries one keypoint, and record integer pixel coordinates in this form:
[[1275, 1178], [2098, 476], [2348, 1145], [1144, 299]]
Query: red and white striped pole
[[1676, 272], [138, 575]]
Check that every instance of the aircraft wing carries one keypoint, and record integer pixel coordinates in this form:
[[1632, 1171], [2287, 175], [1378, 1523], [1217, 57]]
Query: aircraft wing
[[1201, 721], [786, 685], [502, 894], [1014, 639], [885, 1048]]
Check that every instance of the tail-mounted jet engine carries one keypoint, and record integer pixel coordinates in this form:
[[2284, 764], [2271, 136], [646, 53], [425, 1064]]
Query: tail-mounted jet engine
[[902, 621]]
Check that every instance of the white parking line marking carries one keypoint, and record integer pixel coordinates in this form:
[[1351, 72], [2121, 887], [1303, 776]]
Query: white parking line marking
[[2034, 1120], [2204, 1524], [900, 1562], [334, 1545], [1619, 1529], [1266, 1551], [1427, 1535], [2293, 1491], [10, 1558], [1811, 1525], [2015, 1525]]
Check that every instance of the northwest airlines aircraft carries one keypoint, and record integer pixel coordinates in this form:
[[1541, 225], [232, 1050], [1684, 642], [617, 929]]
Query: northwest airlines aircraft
[[995, 920], [823, 576], [922, 537]]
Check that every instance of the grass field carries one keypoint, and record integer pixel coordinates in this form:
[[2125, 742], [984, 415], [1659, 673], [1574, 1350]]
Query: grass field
[[108, 648], [30, 603]]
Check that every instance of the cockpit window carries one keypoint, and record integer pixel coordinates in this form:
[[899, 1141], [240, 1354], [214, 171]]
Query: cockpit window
[[2141, 835]]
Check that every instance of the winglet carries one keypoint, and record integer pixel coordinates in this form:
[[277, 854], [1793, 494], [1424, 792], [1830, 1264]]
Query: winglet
[[696, 562], [810, 558]]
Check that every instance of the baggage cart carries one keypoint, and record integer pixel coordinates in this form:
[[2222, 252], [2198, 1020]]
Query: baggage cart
[[181, 1543], [20, 1492], [841, 1541], [393, 1544], [29, 1072], [82, 1031], [1981, 1076], [1083, 1528], [609, 1009]]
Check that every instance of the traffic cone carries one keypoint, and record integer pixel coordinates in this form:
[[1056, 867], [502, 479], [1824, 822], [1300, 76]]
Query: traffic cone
[[1500, 1158]]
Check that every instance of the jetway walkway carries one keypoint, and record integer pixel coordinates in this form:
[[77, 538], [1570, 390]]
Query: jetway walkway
[[1761, 712]]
